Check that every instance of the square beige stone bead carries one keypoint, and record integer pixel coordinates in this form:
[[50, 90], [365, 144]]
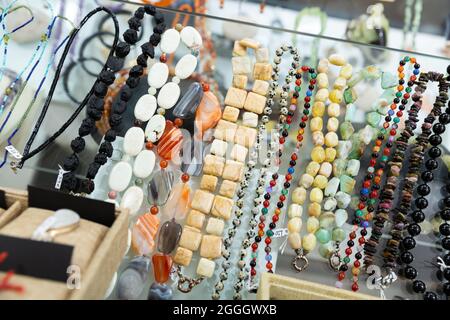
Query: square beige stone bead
[[211, 247], [215, 226], [190, 238], [206, 268], [241, 65], [195, 219], [262, 55], [202, 201], [250, 119], [222, 207], [214, 165], [240, 81], [239, 153], [233, 170], [245, 136], [262, 71], [250, 43], [209, 183], [236, 97], [183, 257], [225, 130], [231, 114], [219, 148], [228, 189], [255, 103], [239, 50], [261, 87]]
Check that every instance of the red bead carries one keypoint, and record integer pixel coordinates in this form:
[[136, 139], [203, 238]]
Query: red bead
[[298, 82], [352, 235], [253, 272], [255, 246], [348, 251], [393, 132], [268, 241], [154, 210], [413, 78], [372, 162], [357, 264], [355, 287], [406, 95], [282, 198], [341, 276], [373, 194], [185, 177], [288, 177], [399, 114], [162, 265], [387, 151], [313, 81], [361, 240], [305, 118], [366, 184], [299, 138], [261, 225], [163, 58], [269, 265], [205, 86], [273, 183], [275, 218], [282, 140], [266, 204], [305, 68], [294, 157], [178, 122], [361, 205], [307, 99], [149, 145], [163, 164], [289, 119]]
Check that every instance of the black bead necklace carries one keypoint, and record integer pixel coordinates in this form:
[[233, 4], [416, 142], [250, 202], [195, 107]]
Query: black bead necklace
[[421, 203]]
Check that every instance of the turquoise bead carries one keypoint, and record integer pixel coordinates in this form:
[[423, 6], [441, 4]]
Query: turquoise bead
[[323, 235]]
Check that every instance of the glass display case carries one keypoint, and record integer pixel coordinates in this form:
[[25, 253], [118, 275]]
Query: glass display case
[[220, 33]]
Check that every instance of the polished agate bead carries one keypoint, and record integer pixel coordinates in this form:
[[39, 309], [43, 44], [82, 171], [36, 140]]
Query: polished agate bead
[[160, 187], [188, 104], [160, 292], [170, 143], [208, 113], [169, 236], [162, 265], [132, 280]]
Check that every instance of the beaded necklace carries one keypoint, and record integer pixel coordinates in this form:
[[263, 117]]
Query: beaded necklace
[[413, 228], [368, 197], [396, 164], [319, 169], [245, 137], [36, 94], [285, 120]]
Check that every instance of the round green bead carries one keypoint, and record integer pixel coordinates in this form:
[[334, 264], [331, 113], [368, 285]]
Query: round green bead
[[323, 235], [269, 233], [265, 210], [284, 192], [398, 94], [347, 260]]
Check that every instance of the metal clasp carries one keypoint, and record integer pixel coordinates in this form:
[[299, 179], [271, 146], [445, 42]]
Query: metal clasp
[[300, 262], [334, 261]]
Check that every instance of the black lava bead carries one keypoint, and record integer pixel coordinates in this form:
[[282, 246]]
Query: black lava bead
[[418, 216], [414, 229], [430, 296], [423, 190], [435, 140], [446, 289], [447, 201], [446, 259], [434, 152], [446, 243], [438, 128], [445, 214], [419, 286], [444, 229], [431, 164], [427, 176], [409, 243], [446, 274], [407, 257], [421, 203], [410, 272]]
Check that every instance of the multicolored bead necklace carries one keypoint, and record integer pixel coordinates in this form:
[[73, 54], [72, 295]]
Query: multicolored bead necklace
[[368, 197], [288, 177]]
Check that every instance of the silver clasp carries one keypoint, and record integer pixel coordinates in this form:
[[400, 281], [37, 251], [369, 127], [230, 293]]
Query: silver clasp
[[300, 262]]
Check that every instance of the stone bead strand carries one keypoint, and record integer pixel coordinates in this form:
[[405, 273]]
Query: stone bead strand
[[367, 197], [399, 218], [295, 225], [285, 120], [396, 164], [242, 137], [421, 203]]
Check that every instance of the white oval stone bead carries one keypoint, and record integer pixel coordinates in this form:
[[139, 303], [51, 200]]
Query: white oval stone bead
[[191, 37], [133, 142], [168, 95], [144, 164], [132, 200], [155, 128], [158, 75], [120, 176], [170, 41], [186, 66], [145, 108], [295, 211]]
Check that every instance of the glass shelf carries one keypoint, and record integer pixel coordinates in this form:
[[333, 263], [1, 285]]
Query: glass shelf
[[42, 170]]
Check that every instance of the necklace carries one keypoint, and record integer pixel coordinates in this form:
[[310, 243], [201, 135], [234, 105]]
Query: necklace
[[368, 197], [285, 120]]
